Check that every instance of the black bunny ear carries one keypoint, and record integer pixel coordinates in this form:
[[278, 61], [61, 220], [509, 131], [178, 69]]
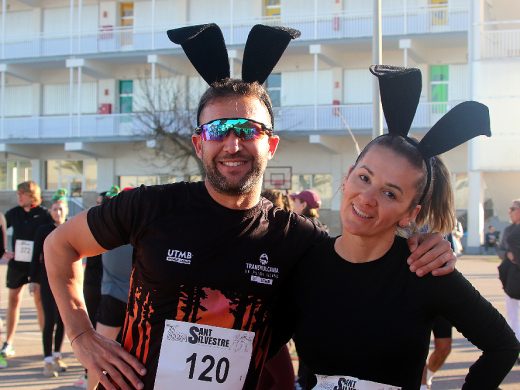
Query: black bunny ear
[[264, 47], [400, 89], [463, 122], [204, 45]]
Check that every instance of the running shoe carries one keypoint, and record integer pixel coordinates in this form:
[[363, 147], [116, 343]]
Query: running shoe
[[3, 362], [49, 371], [81, 382], [7, 350], [59, 364]]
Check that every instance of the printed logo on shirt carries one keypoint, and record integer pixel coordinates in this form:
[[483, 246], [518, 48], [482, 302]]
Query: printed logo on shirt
[[262, 273], [181, 257], [346, 384]]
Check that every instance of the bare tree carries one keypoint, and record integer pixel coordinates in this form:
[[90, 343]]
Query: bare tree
[[163, 110]]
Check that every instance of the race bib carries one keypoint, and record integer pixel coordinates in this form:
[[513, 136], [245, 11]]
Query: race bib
[[195, 356], [349, 383], [23, 250]]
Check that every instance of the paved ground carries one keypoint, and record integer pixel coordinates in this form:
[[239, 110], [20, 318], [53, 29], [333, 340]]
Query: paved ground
[[24, 370]]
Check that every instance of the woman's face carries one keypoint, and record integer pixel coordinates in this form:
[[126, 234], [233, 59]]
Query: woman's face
[[59, 211], [377, 194], [299, 206]]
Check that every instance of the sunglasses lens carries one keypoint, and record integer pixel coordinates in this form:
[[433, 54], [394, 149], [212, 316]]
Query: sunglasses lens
[[244, 129]]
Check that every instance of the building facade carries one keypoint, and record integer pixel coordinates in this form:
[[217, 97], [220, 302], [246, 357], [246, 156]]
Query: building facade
[[77, 76]]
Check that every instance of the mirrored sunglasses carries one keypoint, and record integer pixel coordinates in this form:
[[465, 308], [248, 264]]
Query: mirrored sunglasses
[[245, 129]]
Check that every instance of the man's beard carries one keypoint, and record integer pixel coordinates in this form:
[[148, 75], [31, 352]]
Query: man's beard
[[243, 186]]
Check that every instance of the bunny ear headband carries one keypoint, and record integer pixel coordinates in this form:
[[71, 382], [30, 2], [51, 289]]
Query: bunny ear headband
[[204, 45], [400, 89]]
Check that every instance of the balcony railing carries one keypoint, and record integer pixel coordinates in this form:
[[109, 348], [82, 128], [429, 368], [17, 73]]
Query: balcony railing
[[332, 119], [500, 40], [335, 26]]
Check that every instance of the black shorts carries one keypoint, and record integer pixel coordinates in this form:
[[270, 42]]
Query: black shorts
[[17, 274], [111, 311], [441, 328]]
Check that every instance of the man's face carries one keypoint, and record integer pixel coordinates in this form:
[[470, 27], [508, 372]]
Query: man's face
[[24, 199], [514, 213], [234, 166]]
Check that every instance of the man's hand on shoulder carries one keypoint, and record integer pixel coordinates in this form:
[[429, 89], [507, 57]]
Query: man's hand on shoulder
[[430, 252]]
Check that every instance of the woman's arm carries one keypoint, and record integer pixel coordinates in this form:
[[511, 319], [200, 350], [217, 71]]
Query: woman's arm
[[459, 302]]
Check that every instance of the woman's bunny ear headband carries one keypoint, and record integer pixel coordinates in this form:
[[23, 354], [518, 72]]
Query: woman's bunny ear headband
[[400, 89], [205, 47]]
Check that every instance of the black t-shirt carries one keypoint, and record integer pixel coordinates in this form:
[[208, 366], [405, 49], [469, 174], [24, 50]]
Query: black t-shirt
[[25, 224], [373, 320], [197, 261], [93, 271]]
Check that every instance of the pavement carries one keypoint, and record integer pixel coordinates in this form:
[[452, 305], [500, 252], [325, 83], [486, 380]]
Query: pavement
[[25, 368]]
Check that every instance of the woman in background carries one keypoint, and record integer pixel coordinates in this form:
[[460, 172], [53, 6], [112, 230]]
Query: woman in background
[[53, 325]]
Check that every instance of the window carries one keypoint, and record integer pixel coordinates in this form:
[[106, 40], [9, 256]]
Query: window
[[274, 88], [127, 14], [321, 183], [126, 96], [74, 175], [272, 8], [439, 75], [439, 12]]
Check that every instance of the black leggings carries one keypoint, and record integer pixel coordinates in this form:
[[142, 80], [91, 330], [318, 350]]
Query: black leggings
[[52, 319]]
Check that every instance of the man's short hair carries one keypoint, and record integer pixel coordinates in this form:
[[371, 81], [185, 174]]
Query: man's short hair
[[235, 87]]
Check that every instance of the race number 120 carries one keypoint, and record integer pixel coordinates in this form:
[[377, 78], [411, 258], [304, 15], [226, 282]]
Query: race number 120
[[210, 369]]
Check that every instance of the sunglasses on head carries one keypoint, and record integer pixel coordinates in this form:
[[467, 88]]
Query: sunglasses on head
[[245, 129]]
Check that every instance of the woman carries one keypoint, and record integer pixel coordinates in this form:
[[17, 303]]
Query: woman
[[307, 203], [360, 316], [53, 326]]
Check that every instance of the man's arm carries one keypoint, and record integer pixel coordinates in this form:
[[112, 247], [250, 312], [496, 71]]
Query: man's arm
[[513, 244], [430, 253], [63, 249]]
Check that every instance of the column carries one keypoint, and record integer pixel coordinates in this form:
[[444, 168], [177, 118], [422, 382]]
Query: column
[[106, 176], [37, 173], [475, 226]]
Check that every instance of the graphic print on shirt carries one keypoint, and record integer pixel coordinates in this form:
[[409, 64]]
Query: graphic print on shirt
[[262, 273], [194, 304]]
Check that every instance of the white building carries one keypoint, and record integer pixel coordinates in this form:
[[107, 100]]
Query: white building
[[71, 79]]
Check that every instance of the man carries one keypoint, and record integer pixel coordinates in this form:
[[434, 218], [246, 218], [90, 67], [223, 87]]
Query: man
[[509, 268], [210, 258], [25, 220]]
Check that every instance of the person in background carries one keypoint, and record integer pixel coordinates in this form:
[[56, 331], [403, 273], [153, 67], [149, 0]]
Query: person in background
[[278, 199], [92, 289], [3, 246], [455, 236], [115, 283], [509, 269], [53, 325], [25, 220], [278, 372], [491, 238], [442, 340], [307, 203]]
